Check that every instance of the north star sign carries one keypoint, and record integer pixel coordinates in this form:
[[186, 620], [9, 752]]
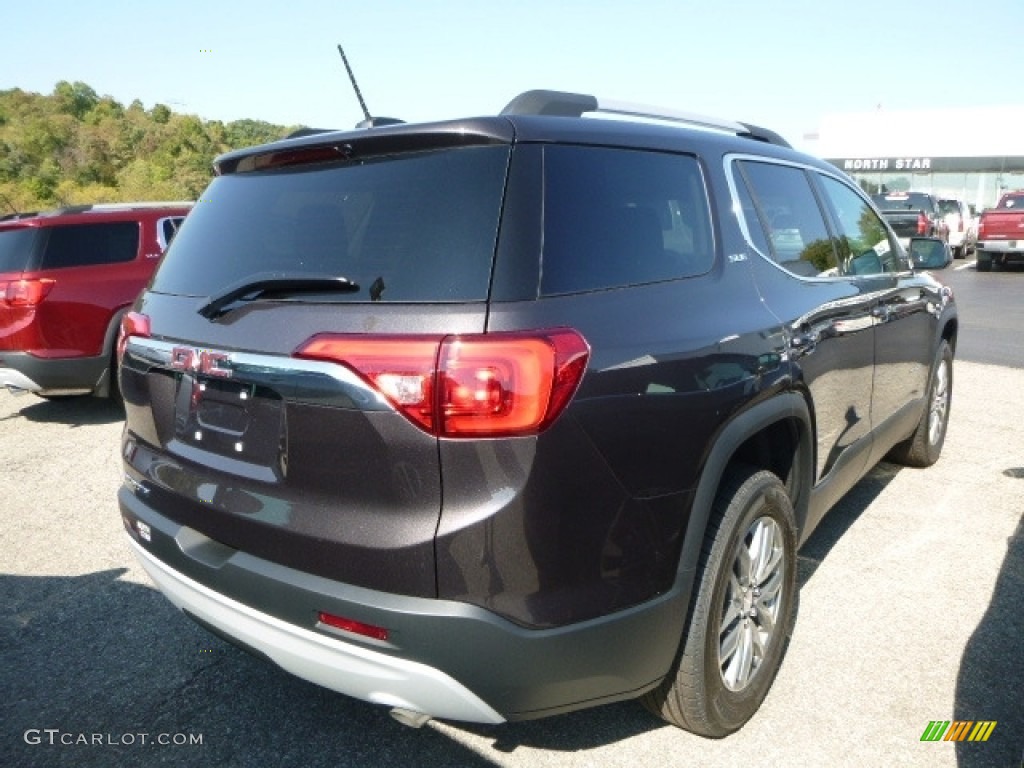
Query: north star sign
[[888, 163]]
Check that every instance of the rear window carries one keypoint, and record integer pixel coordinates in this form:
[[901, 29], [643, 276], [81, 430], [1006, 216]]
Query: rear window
[[16, 247], [949, 206], [1012, 201], [414, 227], [83, 245], [911, 201], [616, 217]]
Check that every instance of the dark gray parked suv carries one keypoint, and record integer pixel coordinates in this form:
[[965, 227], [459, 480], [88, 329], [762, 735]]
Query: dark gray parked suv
[[502, 417]]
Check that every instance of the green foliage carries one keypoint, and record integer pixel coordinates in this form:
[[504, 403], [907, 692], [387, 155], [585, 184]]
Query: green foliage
[[74, 146]]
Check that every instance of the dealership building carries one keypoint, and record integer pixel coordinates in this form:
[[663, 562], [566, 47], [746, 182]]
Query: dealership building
[[971, 154]]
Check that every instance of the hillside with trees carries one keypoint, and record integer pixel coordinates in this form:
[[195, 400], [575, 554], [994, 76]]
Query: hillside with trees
[[74, 146]]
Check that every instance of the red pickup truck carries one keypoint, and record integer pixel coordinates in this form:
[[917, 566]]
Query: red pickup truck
[[1001, 232]]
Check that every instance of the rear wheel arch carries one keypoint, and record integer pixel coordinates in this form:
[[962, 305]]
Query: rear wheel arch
[[775, 435]]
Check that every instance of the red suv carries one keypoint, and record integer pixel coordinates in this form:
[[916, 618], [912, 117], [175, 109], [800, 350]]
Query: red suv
[[66, 278]]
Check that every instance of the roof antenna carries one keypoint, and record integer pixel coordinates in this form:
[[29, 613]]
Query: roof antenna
[[367, 121]]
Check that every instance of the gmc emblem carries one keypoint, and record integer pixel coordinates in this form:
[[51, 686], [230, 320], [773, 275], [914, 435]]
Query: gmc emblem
[[201, 361]]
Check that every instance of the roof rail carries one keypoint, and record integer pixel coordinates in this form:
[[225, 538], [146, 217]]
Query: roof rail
[[562, 104]]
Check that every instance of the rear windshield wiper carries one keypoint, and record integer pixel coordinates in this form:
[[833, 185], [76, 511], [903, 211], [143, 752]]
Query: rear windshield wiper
[[274, 285]]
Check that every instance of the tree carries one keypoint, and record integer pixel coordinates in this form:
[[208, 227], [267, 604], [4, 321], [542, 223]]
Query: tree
[[74, 98], [73, 146]]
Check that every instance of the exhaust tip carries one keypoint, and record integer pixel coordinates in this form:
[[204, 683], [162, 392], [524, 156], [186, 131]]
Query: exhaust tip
[[410, 718]]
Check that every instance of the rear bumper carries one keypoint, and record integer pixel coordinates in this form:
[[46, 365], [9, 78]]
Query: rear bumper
[[443, 658], [1010, 248], [52, 376], [356, 671]]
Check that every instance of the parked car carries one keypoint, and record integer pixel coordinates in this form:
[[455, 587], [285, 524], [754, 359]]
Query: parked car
[[1001, 233], [497, 418], [912, 214], [960, 222], [66, 278]]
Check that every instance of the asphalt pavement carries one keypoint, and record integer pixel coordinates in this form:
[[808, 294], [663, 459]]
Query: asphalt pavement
[[911, 611]]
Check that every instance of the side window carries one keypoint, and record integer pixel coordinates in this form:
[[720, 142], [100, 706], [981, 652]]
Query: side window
[[82, 245], [166, 229], [864, 244], [615, 217], [798, 238]]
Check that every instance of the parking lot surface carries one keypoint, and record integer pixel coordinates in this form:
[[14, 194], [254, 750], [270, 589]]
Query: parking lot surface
[[911, 611]]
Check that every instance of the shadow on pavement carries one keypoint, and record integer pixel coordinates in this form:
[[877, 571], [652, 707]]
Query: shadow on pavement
[[75, 411], [841, 518], [990, 684]]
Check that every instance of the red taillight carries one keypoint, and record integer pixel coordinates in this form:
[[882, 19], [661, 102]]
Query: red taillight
[[132, 324], [401, 367], [481, 385], [922, 224], [351, 625], [26, 293], [981, 228]]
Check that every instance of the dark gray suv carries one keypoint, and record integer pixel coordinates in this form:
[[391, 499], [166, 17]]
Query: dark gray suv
[[502, 417]]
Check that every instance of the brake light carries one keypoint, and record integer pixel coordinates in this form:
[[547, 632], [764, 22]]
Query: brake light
[[922, 224], [982, 225], [26, 293], [480, 385], [132, 324]]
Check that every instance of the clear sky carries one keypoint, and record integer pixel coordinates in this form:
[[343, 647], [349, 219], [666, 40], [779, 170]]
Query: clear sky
[[778, 63]]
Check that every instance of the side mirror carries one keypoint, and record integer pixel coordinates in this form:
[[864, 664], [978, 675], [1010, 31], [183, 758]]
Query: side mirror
[[929, 253]]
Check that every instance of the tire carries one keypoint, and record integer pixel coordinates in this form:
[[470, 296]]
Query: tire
[[701, 693], [924, 447], [959, 252], [983, 261]]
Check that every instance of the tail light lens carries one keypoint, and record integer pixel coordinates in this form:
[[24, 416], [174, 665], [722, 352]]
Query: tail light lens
[[351, 625], [922, 224], [481, 385], [25, 293], [981, 228], [132, 324]]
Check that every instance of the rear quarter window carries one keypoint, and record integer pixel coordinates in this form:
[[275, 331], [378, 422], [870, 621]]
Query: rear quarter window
[[615, 217], [16, 248], [82, 245]]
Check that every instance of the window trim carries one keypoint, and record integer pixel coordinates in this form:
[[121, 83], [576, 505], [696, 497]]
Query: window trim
[[824, 208]]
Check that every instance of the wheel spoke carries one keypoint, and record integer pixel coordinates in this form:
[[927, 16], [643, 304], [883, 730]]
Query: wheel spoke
[[765, 620], [742, 566], [771, 587], [771, 561], [730, 642], [744, 660], [762, 545], [732, 614]]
